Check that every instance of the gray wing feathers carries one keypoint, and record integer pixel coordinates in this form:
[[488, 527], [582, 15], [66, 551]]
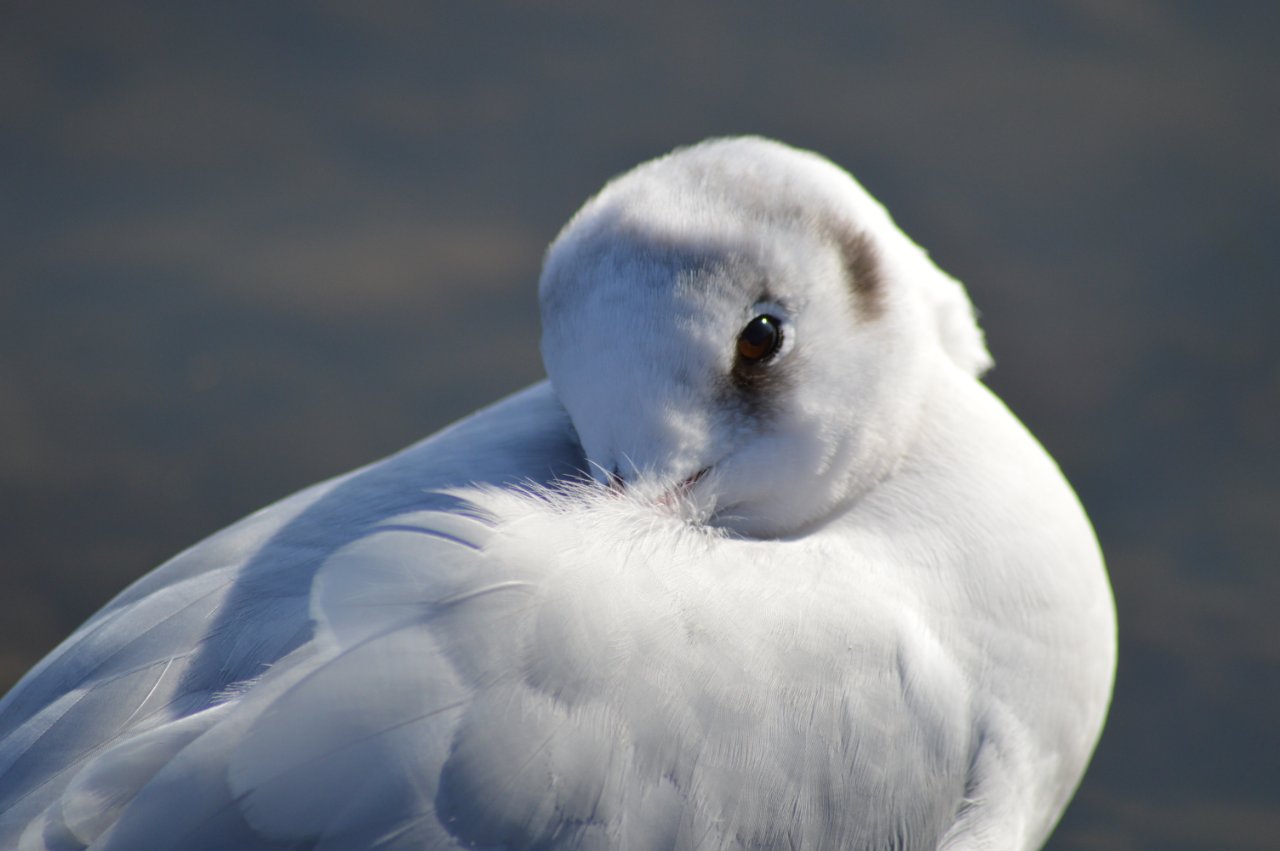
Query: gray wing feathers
[[231, 700]]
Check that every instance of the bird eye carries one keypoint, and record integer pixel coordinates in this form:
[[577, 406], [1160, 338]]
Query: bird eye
[[760, 340]]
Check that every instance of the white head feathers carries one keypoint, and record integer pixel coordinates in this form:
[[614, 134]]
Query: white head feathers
[[648, 291]]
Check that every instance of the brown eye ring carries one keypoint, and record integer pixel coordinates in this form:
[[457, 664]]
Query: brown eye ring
[[760, 340]]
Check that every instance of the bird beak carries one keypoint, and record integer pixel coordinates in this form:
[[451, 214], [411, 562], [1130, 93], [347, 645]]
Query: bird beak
[[617, 484]]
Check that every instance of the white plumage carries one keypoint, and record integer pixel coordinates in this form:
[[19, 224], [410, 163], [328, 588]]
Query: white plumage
[[829, 596]]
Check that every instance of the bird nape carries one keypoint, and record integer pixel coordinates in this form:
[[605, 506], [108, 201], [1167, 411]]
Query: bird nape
[[762, 564]]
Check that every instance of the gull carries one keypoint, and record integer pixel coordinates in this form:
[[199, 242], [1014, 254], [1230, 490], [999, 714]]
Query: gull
[[762, 564]]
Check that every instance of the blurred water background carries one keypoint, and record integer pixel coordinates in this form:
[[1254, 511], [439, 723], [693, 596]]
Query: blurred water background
[[244, 246]]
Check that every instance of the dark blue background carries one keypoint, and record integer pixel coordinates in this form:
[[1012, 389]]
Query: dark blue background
[[244, 246]]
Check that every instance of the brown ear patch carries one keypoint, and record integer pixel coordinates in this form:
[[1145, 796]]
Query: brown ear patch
[[863, 272]]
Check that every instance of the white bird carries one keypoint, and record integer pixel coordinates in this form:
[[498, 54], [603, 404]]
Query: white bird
[[763, 565]]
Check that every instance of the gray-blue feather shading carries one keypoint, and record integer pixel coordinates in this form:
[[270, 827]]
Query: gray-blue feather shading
[[170, 649]]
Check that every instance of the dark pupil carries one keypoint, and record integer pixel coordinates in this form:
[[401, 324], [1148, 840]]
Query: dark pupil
[[759, 339]]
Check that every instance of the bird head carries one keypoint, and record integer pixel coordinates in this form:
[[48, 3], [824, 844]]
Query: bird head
[[740, 324]]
